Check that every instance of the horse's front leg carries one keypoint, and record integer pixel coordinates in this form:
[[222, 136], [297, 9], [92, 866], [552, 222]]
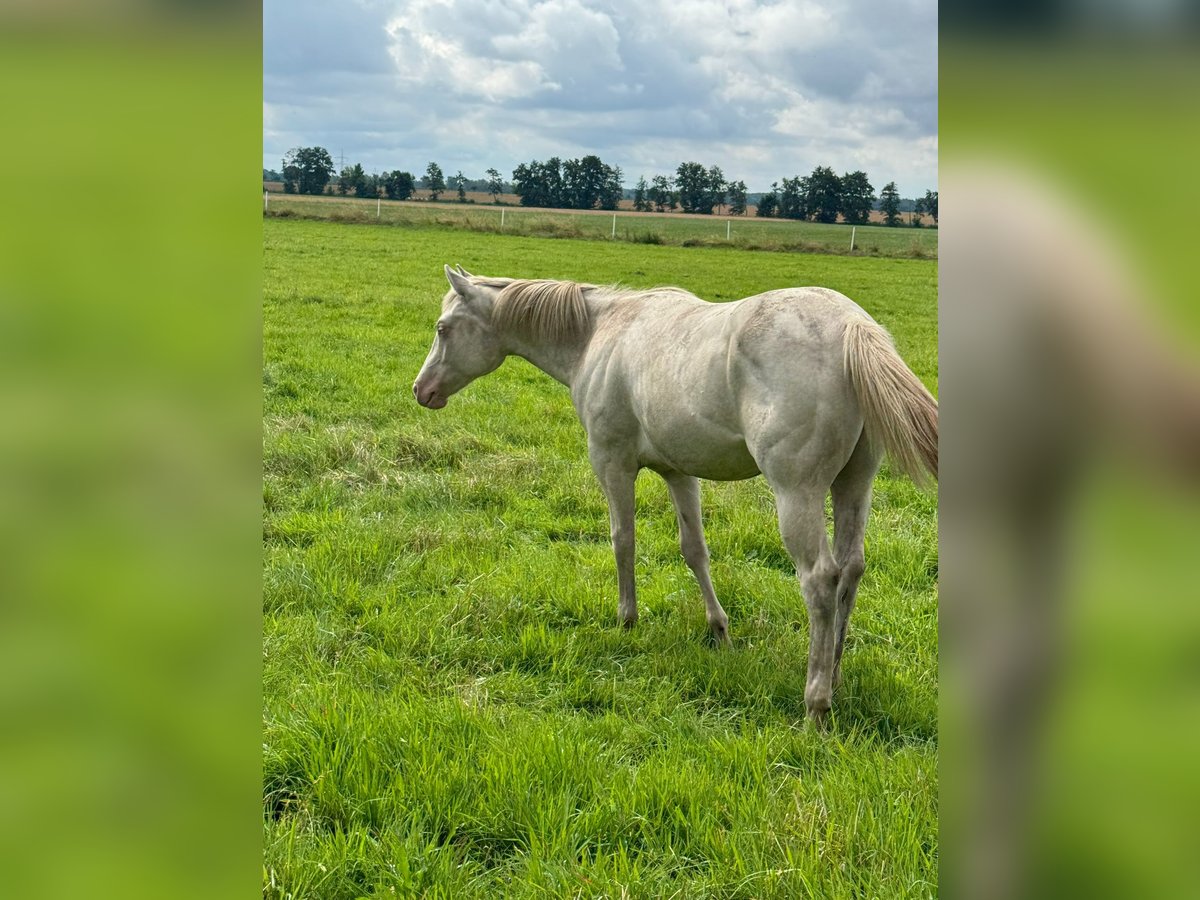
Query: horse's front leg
[[617, 477], [685, 494]]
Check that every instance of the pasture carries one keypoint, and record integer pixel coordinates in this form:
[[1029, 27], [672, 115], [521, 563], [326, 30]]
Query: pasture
[[744, 232], [450, 709]]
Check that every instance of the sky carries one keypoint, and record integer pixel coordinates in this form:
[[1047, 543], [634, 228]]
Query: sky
[[765, 90]]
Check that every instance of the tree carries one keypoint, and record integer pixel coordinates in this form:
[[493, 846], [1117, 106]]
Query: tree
[[553, 183], [768, 204], [717, 188], [612, 190], [365, 185], [662, 193], [889, 204], [858, 196], [691, 180], [353, 178], [792, 199], [737, 198], [522, 178], [345, 180], [929, 205], [435, 181], [291, 178], [919, 210], [823, 195], [640, 201], [307, 170], [460, 183], [495, 185], [398, 185], [540, 183], [584, 182]]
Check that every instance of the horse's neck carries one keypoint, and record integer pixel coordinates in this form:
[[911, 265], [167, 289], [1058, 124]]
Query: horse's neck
[[559, 361]]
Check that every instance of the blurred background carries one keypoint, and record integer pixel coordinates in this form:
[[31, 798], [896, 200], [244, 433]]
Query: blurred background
[[130, 483], [1069, 515]]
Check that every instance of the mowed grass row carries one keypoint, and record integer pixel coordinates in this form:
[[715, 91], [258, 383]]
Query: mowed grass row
[[450, 709], [744, 232]]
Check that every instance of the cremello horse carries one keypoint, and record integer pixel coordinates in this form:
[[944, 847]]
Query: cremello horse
[[800, 385]]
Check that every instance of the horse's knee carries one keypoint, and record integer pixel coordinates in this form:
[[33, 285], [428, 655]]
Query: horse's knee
[[819, 586], [622, 536], [852, 570], [850, 575]]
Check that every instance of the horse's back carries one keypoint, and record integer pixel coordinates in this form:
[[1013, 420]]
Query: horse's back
[[791, 340], [704, 384], [814, 317]]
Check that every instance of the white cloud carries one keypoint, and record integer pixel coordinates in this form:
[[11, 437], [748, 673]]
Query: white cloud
[[764, 90]]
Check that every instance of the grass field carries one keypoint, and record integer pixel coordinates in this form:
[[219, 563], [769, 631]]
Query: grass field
[[450, 709], [648, 228]]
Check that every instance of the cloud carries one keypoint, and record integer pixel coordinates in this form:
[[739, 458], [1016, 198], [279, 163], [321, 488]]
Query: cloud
[[764, 90]]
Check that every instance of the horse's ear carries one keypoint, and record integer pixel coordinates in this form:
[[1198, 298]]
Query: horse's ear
[[460, 282], [462, 271]]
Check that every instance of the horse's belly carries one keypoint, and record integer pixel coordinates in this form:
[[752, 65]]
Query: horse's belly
[[697, 448]]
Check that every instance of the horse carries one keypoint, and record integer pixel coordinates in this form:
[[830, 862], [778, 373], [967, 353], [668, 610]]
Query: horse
[[799, 385]]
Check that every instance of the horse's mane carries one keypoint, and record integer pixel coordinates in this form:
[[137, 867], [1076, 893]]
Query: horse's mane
[[541, 310], [545, 310]]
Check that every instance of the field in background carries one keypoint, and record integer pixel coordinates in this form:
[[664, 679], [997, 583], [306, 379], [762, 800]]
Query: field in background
[[482, 197], [450, 709], [745, 232]]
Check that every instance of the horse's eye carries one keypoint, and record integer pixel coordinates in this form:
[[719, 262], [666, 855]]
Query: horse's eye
[[441, 328]]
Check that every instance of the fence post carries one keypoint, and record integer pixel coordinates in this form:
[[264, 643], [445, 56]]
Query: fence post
[[853, 228], [378, 201], [614, 231], [266, 201], [728, 225], [502, 217]]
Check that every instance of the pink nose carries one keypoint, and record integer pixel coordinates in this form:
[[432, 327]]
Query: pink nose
[[427, 396]]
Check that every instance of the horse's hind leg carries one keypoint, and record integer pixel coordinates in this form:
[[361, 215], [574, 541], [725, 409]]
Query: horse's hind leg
[[851, 492], [685, 494], [802, 525]]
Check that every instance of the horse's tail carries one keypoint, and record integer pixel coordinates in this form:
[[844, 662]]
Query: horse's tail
[[900, 415]]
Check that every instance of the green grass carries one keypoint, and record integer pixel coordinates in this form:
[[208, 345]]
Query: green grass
[[746, 233], [450, 709]]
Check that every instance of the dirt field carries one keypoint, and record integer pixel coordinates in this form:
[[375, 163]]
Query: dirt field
[[624, 208]]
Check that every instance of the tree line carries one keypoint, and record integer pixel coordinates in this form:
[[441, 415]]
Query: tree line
[[823, 196], [586, 183], [310, 170], [590, 183], [694, 189]]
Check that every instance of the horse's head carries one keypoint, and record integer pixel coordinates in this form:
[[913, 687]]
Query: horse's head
[[465, 345]]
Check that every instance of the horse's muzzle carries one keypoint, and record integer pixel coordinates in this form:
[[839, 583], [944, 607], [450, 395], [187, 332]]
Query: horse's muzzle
[[428, 397]]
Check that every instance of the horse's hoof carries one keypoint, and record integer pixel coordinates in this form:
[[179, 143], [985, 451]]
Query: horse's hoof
[[817, 709], [818, 719]]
